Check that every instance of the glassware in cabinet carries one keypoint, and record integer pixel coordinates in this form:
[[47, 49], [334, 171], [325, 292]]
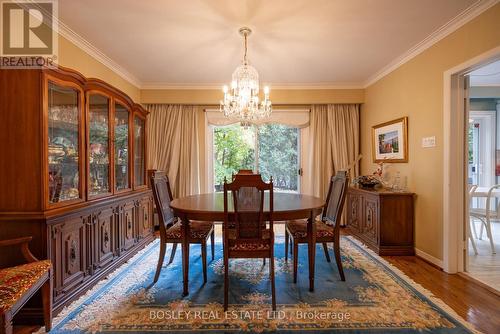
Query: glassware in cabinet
[[121, 144], [63, 122], [139, 152], [98, 146]]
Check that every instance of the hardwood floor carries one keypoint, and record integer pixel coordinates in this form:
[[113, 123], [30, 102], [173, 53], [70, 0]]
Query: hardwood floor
[[471, 301]]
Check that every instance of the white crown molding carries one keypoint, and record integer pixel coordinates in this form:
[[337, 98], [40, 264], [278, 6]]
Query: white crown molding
[[458, 21], [68, 33], [277, 86], [97, 54], [318, 86]]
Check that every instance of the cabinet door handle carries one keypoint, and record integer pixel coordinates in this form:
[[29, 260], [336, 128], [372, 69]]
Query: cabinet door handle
[[146, 216], [72, 252]]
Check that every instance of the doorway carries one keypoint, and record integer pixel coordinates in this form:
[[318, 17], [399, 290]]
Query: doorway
[[459, 158], [483, 222]]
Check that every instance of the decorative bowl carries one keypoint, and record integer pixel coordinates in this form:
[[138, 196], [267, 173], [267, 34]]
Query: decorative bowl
[[367, 181]]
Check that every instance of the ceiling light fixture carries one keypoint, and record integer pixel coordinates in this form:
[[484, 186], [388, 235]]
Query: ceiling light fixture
[[241, 100]]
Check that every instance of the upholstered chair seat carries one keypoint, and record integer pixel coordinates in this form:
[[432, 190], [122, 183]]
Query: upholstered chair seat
[[16, 281], [298, 229], [198, 229], [19, 283]]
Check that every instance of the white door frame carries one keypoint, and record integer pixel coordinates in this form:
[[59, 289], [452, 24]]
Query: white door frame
[[487, 139], [454, 163]]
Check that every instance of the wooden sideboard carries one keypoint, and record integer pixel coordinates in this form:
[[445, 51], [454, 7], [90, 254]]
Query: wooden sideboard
[[72, 176], [382, 219]]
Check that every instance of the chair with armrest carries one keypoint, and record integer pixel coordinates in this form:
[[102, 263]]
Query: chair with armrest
[[245, 232], [18, 284], [170, 226], [327, 229]]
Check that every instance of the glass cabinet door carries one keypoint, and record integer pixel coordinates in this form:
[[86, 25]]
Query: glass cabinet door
[[63, 143], [99, 171], [139, 169], [121, 147]]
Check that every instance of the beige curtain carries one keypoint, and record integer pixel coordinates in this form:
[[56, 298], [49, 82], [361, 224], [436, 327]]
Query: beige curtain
[[173, 146], [333, 144]]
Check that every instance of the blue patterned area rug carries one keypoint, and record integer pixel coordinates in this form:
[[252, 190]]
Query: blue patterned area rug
[[376, 298]]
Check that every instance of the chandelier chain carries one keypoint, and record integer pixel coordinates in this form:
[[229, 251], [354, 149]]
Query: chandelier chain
[[245, 61]]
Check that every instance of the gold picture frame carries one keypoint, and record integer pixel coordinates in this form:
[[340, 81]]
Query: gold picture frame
[[390, 141]]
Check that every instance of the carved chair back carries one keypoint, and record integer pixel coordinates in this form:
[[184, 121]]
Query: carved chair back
[[244, 172], [163, 196], [248, 196], [335, 199]]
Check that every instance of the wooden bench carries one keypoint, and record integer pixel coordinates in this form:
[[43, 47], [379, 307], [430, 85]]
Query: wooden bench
[[18, 284]]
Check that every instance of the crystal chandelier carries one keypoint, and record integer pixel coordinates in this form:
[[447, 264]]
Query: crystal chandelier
[[241, 101]]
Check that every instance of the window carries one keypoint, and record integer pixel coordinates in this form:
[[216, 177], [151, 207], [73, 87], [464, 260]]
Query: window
[[271, 149]]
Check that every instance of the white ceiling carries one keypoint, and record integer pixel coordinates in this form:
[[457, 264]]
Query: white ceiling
[[488, 75], [294, 42]]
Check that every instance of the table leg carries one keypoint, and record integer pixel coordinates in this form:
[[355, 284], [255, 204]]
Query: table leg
[[311, 236], [185, 254]]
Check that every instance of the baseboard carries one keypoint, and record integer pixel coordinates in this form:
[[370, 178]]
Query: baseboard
[[429, 258]]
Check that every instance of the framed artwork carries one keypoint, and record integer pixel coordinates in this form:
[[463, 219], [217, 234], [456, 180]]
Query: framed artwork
[[390, 141]]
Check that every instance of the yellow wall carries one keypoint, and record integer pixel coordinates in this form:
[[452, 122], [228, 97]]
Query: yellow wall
[[278, 96], [416, 90], [73, 57]]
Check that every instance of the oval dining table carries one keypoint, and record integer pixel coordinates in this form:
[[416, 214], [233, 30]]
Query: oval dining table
[[210, 207]]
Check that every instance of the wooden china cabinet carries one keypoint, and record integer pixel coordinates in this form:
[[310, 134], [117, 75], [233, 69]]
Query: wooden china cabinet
[[72, 174]]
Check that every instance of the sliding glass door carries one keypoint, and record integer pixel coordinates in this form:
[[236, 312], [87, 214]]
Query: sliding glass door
[[271, 149]]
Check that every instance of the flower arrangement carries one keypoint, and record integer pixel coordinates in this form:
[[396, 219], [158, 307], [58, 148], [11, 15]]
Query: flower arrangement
[[370, 181]]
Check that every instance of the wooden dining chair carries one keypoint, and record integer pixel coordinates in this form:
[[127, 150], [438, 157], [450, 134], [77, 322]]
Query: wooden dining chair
[[327, 229], [170, 225], [250, 237], [246, 172]]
